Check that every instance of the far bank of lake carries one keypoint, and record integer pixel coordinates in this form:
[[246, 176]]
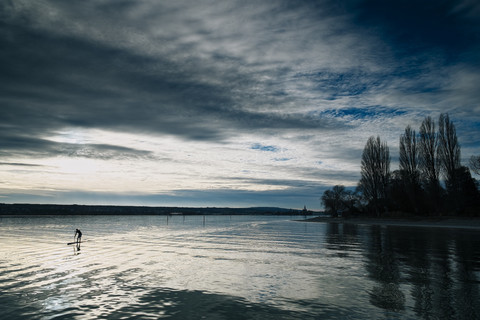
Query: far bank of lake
[[74, 209]]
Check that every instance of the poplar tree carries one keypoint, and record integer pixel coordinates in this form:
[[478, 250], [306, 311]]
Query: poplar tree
[[409, 167], [408, 156], [429, 163], [375, 172], [449, 152], [428, 152]]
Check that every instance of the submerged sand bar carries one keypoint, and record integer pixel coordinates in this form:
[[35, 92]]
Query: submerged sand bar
[[436, 222]]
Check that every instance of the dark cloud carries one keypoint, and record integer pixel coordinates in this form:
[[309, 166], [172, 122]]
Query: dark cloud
[[68, 82], [54, 80], [371, 112], [51, 79], [17, 146], [16, 164]]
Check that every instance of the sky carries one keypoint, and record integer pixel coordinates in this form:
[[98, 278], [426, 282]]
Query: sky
[[222, 103]]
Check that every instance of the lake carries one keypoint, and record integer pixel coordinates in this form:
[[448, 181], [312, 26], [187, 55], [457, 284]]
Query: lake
[[234, 267]]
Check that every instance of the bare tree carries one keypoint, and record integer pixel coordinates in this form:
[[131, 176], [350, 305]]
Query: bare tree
[[339, 200], [375, 172], [429, 164], [408, 155], [448, 151], [334, 200], [409, 167], [427, 152]]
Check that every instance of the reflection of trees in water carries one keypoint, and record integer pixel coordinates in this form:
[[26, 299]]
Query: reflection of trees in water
[[442, 280], [428, 272], [341, 237], [439, 266], [441, 272], [419, 273], [383, 268], [467, 269]]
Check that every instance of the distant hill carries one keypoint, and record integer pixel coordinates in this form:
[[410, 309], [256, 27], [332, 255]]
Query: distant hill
[[58, 209]]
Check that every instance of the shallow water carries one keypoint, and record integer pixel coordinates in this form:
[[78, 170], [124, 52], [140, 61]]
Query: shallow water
[[238, 267]]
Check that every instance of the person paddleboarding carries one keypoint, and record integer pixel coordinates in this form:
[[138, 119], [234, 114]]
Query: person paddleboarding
[[78, 235]]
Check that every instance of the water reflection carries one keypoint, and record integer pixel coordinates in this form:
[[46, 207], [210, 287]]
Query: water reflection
[[184, 304], [434, 266], [433, 273], [383, 268], [76, 248], [236, 268], [342, 238]]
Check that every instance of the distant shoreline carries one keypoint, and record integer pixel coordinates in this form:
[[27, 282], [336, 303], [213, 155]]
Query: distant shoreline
[[434, 222], [25, 209]]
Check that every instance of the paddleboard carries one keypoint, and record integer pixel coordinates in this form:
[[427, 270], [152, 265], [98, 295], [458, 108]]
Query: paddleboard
[[75, 242]]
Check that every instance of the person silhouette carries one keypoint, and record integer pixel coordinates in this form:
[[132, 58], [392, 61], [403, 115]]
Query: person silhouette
[[78, 235]]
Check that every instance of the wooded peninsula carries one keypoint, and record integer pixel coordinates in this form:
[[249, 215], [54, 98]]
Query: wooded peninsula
[[430, 181]]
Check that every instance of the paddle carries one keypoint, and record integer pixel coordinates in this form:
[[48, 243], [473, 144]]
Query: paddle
[[75, 242]]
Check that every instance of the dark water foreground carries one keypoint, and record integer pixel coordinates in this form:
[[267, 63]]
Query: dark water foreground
[[151, 267]]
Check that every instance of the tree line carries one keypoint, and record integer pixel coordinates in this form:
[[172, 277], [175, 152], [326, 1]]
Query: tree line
[[430, 179]]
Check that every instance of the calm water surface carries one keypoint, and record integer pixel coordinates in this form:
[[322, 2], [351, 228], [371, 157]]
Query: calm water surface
[[239, 267]]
